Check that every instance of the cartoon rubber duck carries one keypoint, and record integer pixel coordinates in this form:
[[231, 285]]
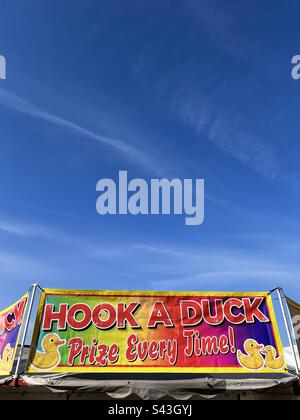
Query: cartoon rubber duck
[[7, 358], [253, 360], [272, 361], [50, 357]]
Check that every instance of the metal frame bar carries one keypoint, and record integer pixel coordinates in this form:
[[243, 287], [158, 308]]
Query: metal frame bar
[[39, 287], [32, 299], [288, 330]]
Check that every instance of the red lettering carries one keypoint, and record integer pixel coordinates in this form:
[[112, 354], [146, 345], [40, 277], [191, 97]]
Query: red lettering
[[13, 318], [51, 316], [189, 349], [153, 350], [131, 356], [143, 350], [160, 315], [113, 354], [109, 322], [224, 347], [75, 345], [228, 310], [10, 325], [165, 350], [209, 345], [252, 310], [19, 311], [207, 312], [236, 311], [191, 313], [102, 355], [84, 355], [125, 315], [76, 309]]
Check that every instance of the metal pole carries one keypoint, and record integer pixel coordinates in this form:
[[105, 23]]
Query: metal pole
[[288, 329], [33, 293]]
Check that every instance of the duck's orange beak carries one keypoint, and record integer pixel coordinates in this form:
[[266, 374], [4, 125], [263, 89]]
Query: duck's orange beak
[[61, 342], [260, 347]]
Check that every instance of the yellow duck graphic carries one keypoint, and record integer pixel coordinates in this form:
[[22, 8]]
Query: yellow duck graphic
[[272, 361], [50, 357], [252, 360], [7, 359]]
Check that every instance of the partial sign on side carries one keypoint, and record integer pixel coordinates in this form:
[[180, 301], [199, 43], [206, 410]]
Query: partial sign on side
[[11, 320]]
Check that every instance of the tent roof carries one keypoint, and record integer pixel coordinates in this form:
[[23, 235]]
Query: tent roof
[[154, 386]]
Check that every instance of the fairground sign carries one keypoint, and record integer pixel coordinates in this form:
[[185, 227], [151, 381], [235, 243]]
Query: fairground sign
[[139, 332], [10, 327]]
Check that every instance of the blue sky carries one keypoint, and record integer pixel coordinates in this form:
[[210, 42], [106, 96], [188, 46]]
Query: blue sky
[[166, 88]]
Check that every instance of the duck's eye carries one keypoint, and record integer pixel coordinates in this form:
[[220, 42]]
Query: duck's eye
[[52, 340]]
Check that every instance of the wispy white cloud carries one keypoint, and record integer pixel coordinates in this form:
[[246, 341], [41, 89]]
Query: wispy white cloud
[[149, 161], [216, 116], [53, 237], [160, 265], [222, 127], [133, 154], [206, 101], [13, 228], [210, 267], [30, 230], [68, 242]]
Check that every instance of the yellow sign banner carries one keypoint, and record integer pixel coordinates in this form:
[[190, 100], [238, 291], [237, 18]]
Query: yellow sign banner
[[138, 332]]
